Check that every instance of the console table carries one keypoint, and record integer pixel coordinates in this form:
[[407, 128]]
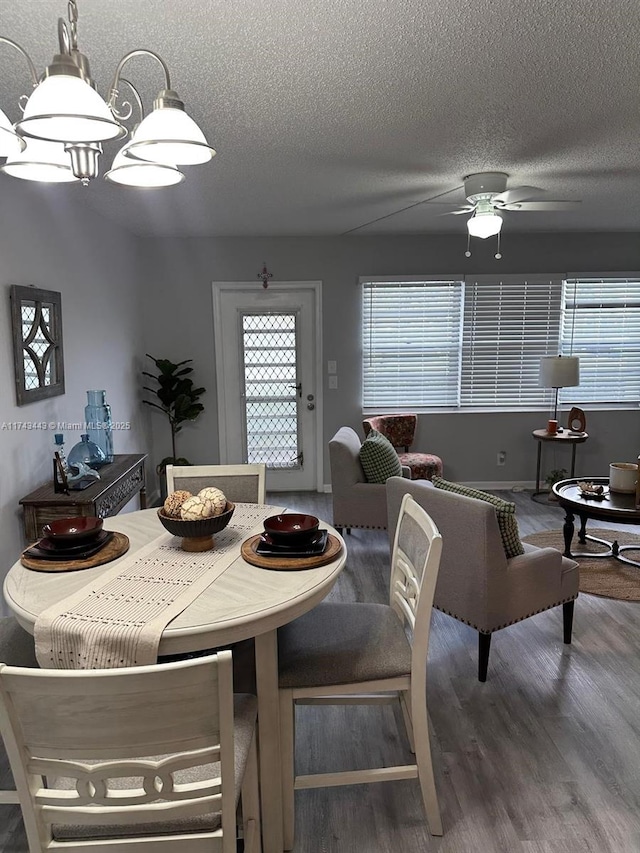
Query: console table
[[119, 481]]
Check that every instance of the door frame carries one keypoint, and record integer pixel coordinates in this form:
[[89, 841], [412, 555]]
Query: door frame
[[218, 288]]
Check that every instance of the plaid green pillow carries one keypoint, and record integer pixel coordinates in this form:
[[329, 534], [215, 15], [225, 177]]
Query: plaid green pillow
[[379, 459], [505, 513]]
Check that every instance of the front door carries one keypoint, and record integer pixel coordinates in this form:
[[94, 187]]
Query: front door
[[268, 368]]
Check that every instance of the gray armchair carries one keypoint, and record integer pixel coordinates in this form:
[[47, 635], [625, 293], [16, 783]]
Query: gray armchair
[[356, 503], [477, 584]]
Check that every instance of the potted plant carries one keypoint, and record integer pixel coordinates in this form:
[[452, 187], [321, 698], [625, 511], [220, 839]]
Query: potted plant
[[177, 398], [554, 477]]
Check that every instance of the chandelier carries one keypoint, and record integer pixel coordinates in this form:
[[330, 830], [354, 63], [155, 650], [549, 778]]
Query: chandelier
[[65, 121]]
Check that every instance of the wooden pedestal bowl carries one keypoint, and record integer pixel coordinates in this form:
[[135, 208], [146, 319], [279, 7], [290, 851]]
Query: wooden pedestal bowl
[[197, 535]]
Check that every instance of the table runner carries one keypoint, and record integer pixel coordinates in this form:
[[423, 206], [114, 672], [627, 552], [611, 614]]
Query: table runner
[[117, 619]]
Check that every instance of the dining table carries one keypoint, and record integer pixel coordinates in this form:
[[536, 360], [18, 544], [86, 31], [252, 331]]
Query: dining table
[[244, 601]]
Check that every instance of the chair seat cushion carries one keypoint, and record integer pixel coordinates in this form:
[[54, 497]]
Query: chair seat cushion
[[423, 466], [343, 643], [379, 458], [245, 712], [505, 513]]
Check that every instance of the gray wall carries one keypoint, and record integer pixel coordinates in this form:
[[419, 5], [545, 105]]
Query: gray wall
[[48, 241], [179, 324]]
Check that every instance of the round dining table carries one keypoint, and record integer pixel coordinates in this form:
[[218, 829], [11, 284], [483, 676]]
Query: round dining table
[[243, 602]]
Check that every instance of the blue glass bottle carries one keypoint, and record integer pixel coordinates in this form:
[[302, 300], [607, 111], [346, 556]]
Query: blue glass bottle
[[97, 416], [86, 452]]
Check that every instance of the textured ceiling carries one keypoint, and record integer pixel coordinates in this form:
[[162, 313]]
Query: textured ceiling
[[331, 114]]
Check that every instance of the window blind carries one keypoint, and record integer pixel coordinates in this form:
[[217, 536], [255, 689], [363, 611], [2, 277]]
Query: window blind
[[602, 327], [509, 323], [411, 343]]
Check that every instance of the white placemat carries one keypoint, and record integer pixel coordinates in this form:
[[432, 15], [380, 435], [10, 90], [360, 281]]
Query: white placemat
[[118, 619]]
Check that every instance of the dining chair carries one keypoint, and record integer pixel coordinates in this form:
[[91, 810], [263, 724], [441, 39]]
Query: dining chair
[[240, 483], [361, 653], [139, 756], [18, 649]]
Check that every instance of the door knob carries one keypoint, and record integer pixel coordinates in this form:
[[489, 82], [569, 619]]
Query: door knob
[[311, 406]]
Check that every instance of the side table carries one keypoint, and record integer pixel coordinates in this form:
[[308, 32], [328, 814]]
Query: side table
[[565, 437], [119, 481]]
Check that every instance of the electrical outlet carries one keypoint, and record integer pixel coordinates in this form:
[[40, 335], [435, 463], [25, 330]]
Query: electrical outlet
[[502, 457]]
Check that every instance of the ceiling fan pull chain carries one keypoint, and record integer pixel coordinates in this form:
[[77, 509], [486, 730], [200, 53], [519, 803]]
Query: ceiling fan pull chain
[[467, 254], [497, 254]]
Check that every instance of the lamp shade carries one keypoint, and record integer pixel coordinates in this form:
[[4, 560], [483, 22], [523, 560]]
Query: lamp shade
[[10, 142], [41, 161], [484, 225], [559, 371], [169, 135], [66, 109], [131, 172]]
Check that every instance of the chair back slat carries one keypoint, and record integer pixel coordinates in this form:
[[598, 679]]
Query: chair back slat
[[141, 745], [240, 483], [415, 563]]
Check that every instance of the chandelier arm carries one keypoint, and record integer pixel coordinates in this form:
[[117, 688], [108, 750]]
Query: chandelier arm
[[123, 116], [113, 92], [72, 11], [32, 68]]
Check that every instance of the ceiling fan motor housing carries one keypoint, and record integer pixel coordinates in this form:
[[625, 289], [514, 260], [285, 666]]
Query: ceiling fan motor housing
[[484, 185]]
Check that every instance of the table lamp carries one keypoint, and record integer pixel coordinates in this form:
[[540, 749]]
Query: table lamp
[[559, 371]]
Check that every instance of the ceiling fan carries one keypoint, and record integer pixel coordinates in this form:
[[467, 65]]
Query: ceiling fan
[[487, 194]]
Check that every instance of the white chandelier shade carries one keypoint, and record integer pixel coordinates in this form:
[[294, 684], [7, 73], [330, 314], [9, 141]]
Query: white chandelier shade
[[131, 172], [169, 135], [66, 109], [42, 161], [484, 225], [10, 142]]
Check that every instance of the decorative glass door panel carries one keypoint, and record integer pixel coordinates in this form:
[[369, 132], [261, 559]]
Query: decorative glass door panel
[[268, 370], [269, 348]]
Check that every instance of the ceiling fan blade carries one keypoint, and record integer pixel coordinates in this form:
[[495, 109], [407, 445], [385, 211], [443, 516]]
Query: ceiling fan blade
[[533, 206], [517, 194], [458, 212]]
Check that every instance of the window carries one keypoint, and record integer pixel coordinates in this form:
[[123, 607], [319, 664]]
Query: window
[[411, 336], [602, 327], [477, 343], [508, 324]]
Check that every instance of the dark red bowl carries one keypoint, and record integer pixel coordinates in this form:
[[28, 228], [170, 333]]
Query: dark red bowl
[[73, 531], [291, 528]]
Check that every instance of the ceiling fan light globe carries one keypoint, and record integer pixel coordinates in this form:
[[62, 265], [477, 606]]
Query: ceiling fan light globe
[[484, 225], [66, 109]]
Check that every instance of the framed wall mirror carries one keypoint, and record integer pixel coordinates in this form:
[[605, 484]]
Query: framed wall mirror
[[36, 323]]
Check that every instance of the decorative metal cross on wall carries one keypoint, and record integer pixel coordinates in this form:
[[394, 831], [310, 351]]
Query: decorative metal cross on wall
[[265, 275]]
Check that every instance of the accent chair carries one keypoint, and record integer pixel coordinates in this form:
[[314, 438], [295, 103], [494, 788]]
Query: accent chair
[[477, 584], [400, 430]]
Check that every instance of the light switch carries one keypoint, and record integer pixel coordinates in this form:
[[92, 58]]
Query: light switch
[[333, 381], [332, 367]]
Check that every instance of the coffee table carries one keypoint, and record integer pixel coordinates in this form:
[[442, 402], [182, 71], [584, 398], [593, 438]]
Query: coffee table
[[614, 507]]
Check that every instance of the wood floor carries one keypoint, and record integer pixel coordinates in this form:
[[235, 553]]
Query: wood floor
[[542, 758]]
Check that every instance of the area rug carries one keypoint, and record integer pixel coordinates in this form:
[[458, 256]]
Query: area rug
[[606, 576]]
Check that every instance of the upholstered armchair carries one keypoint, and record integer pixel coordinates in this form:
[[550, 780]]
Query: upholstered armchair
[[400, 430], [477, 584], [356, 503]]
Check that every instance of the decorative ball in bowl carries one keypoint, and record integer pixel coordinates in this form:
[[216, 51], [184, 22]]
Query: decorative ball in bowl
[[197, 535], [291, 528], [73, 531]]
